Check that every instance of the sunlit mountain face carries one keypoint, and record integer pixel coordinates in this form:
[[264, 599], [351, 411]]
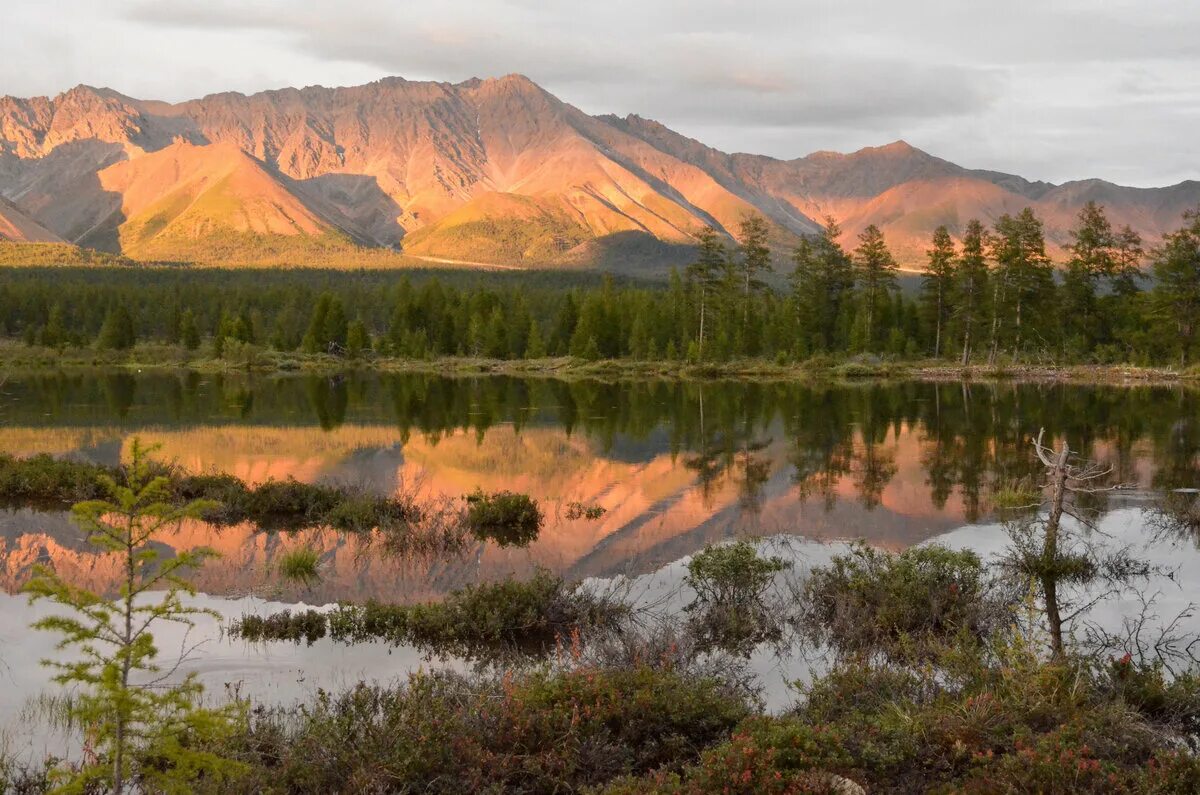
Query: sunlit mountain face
[[493, 171], [674, 466]]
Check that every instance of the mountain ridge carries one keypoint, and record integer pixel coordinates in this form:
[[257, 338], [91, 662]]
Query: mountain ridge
[[486, 169]]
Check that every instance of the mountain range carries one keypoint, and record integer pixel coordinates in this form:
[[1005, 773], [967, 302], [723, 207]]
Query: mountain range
[[495, 171]]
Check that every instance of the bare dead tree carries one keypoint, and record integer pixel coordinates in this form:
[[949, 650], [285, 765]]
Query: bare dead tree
[[1056, 556]]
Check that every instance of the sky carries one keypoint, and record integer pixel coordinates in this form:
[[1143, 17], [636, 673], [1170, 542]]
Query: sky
[[1048, 89]]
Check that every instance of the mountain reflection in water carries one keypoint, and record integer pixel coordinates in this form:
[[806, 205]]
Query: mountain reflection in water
[[675, 465]]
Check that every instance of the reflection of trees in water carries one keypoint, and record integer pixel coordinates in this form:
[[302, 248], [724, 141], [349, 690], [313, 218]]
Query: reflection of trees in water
[[729, 447], [1177, 480], [972, 438]]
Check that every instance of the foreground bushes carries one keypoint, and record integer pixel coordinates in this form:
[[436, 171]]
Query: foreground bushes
[[528, 733], [480, 621], [871, 602], [1011, 724]]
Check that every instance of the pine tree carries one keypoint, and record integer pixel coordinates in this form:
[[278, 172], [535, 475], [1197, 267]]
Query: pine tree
[[753, 262], [1024, 271], [128, 721], [358, 340], [535, 345], [1092, 250], [707, 274], [938, 282], [874, 274], [117, 333], [970, 286], [189, 332], [1177, 283], [820, 282]]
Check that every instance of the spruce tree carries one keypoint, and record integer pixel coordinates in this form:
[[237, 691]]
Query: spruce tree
[[358, 340], [1024, 270], [145, 737], [535, 345]]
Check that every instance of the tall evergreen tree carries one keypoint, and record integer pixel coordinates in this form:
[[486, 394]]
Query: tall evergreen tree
[[753, 262], [821, 280], [970, 286], [118, 332], [1126, 262], [1019, 250], [189, 330], [1177, 283], [937, 283], [1092, 258], [358, 339], [707, 275], [874, 274]]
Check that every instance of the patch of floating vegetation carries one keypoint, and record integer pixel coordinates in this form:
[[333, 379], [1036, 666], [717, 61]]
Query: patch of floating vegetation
[[478, 622]]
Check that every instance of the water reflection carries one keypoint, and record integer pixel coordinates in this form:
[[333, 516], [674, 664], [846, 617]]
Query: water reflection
[[674, 465]]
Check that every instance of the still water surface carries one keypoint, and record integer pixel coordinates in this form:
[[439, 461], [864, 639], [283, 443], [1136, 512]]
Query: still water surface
[[676, 466]]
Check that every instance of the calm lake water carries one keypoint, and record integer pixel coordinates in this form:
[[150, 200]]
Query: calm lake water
[[675, 466]]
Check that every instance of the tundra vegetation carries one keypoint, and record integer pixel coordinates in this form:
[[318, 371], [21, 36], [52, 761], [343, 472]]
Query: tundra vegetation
[[938, 671], [989, 296]]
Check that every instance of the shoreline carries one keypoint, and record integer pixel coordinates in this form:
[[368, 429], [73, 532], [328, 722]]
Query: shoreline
[[18, 359]]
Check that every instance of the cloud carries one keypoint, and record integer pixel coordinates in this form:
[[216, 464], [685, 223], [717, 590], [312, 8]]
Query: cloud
[[1025, 85]]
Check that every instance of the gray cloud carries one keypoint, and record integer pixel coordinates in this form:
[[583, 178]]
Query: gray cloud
[[1051, 89]]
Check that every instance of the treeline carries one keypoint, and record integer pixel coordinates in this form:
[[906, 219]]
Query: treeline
[[995, 294]]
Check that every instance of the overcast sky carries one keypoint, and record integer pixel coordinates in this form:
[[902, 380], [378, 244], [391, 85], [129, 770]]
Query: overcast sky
[[1049, 89]]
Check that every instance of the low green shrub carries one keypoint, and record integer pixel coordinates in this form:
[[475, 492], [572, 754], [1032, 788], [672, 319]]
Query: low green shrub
[[537, 732], [508, 518], [730, 610], [479, 622], [873, 602], [300, 565]]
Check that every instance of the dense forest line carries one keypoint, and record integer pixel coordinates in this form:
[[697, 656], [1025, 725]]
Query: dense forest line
[[994, 296]]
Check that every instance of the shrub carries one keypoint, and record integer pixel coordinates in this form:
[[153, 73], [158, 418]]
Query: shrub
[[505, 517], [534, 732], [869, 602], [301, 565], [478, 622], [730, 611]]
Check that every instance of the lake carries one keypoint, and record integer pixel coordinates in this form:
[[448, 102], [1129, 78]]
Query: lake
[[675, 466]]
